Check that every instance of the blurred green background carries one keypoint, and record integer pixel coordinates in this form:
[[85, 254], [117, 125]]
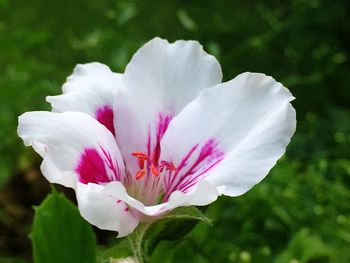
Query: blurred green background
[[299, 213]]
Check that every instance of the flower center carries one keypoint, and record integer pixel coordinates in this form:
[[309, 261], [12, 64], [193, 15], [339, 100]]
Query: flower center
[[148, 182], [145, 164]]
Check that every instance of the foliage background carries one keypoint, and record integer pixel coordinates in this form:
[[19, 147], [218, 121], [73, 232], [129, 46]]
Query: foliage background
[[299, 213]]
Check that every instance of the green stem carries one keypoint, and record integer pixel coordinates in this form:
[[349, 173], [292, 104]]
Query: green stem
[[136, 241]]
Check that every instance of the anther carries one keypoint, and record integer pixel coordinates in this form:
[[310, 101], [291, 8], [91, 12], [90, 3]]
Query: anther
[[168, 166], [140, 174], [154, 170], [140, 155], [141, 158], [141, 163]]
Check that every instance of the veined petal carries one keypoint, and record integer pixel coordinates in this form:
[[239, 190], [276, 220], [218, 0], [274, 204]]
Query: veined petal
[[90, 89], [104, 210], [248, 121], [160, 80], [133, 210], [74, 147]]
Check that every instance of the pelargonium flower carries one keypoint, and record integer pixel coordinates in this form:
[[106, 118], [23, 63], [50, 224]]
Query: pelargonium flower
[[166, 133]]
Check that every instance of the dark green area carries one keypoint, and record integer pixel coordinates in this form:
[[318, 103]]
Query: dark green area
[[59, 234], [172, 227], [301, 211]]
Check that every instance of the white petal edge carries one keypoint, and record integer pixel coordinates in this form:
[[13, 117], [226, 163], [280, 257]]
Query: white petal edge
[[103, 210], [91, 86], [171, 74], [60, 138], [252, 120], [249, 174]]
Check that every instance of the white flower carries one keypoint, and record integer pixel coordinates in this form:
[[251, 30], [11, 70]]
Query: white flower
[[164, 134]]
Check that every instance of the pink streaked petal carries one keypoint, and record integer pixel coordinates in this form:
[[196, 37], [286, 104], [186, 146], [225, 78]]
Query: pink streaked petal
[[71, 142], [252, 121], [154, 138], [159, 81], [105, 116], [150, 177], [193, 167], [92, 168]]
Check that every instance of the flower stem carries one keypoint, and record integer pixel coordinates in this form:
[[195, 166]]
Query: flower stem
[[136, 241]]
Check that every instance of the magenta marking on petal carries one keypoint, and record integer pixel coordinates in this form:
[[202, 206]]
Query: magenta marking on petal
[[91, 168], [153, 142], [182, 164], [162, 126], [189, 183], [149, 142], [208, 157], [105, 116], [111, 165]]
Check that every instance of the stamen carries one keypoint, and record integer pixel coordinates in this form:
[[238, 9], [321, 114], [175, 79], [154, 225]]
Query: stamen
[[140, 174], [141, 158], [168, 165], [140, 155], [153, 167], [141, 163], [154, 170]]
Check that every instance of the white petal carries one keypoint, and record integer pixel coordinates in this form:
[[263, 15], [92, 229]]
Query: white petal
[[202, 194], [160, 80], [62, 139], [90, 89], [104, 210], [251, 121]]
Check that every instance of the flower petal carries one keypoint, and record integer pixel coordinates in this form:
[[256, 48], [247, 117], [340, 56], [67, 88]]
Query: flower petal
[[104, 210], [90, 89], [73, 145], [160, 80], [202, 194], [249, 121]]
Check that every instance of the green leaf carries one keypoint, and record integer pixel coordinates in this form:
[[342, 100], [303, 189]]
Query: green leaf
[[121, 249], [60, 234], [171, 227]]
